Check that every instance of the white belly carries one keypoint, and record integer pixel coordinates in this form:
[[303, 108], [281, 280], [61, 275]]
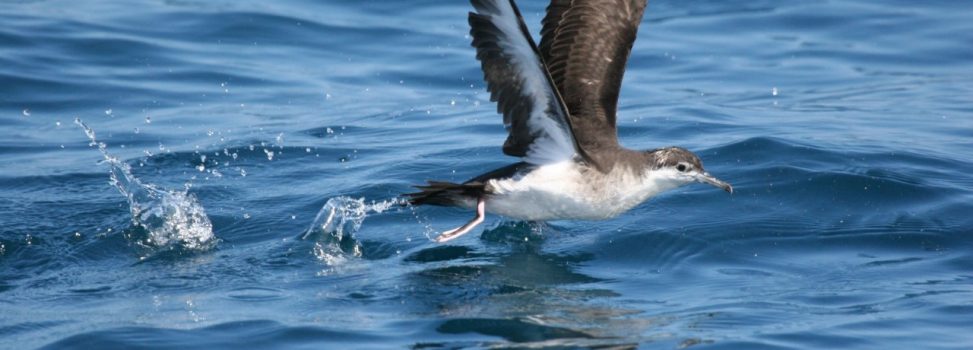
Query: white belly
[[562, 191]]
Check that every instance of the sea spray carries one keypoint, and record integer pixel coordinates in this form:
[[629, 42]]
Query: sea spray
[[171, 219], [335, 225]]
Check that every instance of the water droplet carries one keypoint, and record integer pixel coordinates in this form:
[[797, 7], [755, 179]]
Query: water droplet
[[338, 220], [148, 120], [246, 215], [108, 111], [168, 217], [26, 112], [270, 154], [57, 123], [774, 91]]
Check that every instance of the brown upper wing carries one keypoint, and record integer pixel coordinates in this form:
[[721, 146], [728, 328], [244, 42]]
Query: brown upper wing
[[585, 45]]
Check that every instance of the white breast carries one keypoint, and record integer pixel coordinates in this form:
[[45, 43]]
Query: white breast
[[565, 191]]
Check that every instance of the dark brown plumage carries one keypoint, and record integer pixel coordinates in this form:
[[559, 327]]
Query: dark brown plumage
[[559, 101], [505, 77], [585, 45], [583, 50], [448, 194]]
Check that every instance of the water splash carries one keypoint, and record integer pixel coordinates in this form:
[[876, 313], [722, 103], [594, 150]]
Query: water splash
[[335, 225], [172, 219]]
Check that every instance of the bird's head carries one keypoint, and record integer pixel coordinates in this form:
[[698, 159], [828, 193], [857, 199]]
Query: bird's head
[[679, 166]]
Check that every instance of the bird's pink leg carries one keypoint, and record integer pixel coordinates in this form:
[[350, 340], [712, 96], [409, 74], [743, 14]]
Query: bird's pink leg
[[459, 231]]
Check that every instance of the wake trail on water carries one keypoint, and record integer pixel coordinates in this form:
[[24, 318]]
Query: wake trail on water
[[171, 219]]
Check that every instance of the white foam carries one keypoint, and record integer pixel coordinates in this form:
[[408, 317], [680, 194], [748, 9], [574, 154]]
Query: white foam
[[171, 218], [337, 221]]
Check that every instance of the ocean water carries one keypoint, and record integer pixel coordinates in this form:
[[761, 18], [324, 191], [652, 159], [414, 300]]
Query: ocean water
[[232, 181]]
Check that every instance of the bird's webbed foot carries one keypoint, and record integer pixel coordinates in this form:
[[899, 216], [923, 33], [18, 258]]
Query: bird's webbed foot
[[459, 231]]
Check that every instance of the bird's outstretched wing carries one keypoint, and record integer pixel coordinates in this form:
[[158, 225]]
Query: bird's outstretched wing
[[533, 112], [585, 44]]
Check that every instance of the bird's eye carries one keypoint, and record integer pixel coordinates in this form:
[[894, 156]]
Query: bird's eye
[[681, 167]]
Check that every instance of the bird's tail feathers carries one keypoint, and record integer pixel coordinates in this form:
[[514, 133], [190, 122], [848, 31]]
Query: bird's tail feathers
[[445, 193]]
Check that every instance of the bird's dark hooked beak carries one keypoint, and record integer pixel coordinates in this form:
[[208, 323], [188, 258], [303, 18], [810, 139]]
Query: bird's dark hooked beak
[[705, 177]]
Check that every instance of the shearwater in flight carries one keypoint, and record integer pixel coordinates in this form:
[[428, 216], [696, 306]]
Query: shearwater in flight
[[558, 101]]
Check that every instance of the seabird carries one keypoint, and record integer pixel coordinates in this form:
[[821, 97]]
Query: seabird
[[558, 101]]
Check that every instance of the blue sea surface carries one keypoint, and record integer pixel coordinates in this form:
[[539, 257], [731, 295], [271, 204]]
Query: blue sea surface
[[238, 184]]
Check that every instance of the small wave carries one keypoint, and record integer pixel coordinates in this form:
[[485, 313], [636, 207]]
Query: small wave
[[227, 335], [171, 219], [335, 225]]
